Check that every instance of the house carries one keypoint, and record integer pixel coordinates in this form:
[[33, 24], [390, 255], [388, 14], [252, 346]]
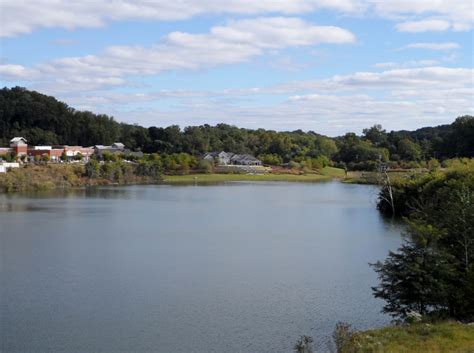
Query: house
[[222, 158], [19, 146], [229, 158], [118, 145], [54, 154], [115, 148], [244, 159], [70, 152]]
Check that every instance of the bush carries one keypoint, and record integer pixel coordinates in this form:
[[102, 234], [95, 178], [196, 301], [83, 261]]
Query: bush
[[92, 169], [342, 336], [270, 159], [205, 166]]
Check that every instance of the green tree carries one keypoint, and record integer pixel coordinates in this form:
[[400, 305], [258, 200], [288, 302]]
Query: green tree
[[415, 278], [409, 150], [92, 169], [376, 135]]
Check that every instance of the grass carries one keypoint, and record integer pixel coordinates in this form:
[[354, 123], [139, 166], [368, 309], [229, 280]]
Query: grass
[[219, 178], [333, 172], [446, 337], [355, 177]]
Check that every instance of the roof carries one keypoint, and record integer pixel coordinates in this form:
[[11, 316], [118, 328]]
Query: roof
[[243, 157], [18, 139], [118, 145], [210, 154]]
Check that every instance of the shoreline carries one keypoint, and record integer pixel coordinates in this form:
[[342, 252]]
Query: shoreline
[[50, 177], [46, 178]]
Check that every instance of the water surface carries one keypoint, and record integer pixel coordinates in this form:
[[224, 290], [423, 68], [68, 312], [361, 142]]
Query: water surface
[[242, 267]]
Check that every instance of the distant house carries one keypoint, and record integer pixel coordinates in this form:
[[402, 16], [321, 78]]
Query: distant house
[[115, 148], [222, 158], [19, 146], [229, 158], [244, 159], [54, 154], [71, 152]]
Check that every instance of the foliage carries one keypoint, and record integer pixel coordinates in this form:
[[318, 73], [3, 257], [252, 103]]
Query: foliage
[[436, 337], [92, 169], [270, 159], [205, 166], [8, 157], [341, 337], [432, 273]]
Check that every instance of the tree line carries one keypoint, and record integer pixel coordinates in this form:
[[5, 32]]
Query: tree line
[[43, 120]]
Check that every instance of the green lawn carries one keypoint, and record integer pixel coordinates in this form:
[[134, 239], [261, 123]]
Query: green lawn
[[333, 172], [218, 178], [447, 337]]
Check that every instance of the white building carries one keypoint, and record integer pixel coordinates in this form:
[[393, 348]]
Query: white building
[[4, 166]]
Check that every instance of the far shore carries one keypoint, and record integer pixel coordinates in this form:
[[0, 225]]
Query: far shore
[[220, 178], [71, 176]]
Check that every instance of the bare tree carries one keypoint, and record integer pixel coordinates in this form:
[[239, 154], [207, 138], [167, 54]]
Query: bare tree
[[304, 345]]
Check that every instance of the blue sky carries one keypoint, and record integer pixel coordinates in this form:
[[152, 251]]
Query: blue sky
[[330, 66]]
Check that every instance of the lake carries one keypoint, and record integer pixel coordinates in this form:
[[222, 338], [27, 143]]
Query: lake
[[239, 267]]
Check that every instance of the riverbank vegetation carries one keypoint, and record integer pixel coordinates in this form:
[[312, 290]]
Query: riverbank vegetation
[[44, 177], [149, 170], [426, 337], [43, 120], [448, 337], [432, 273]]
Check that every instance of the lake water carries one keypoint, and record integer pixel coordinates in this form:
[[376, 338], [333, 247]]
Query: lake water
[[240, 267]]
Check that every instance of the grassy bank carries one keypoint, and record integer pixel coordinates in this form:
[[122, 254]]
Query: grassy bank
[[333, 172], [59, 177], [356, 177], [447, 337], [219, 178]]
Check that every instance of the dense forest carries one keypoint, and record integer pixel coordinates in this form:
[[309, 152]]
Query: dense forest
[[44, 120]]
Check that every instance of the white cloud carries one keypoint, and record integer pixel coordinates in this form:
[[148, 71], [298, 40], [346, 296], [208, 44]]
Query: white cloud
[[458, 12], [236, 42], [433, 46], [14, 72], [406, 64], [21, 17], [398, 99], [423, 26]]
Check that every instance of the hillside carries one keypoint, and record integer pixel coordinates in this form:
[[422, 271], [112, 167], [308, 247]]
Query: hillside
[[43, 120]]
